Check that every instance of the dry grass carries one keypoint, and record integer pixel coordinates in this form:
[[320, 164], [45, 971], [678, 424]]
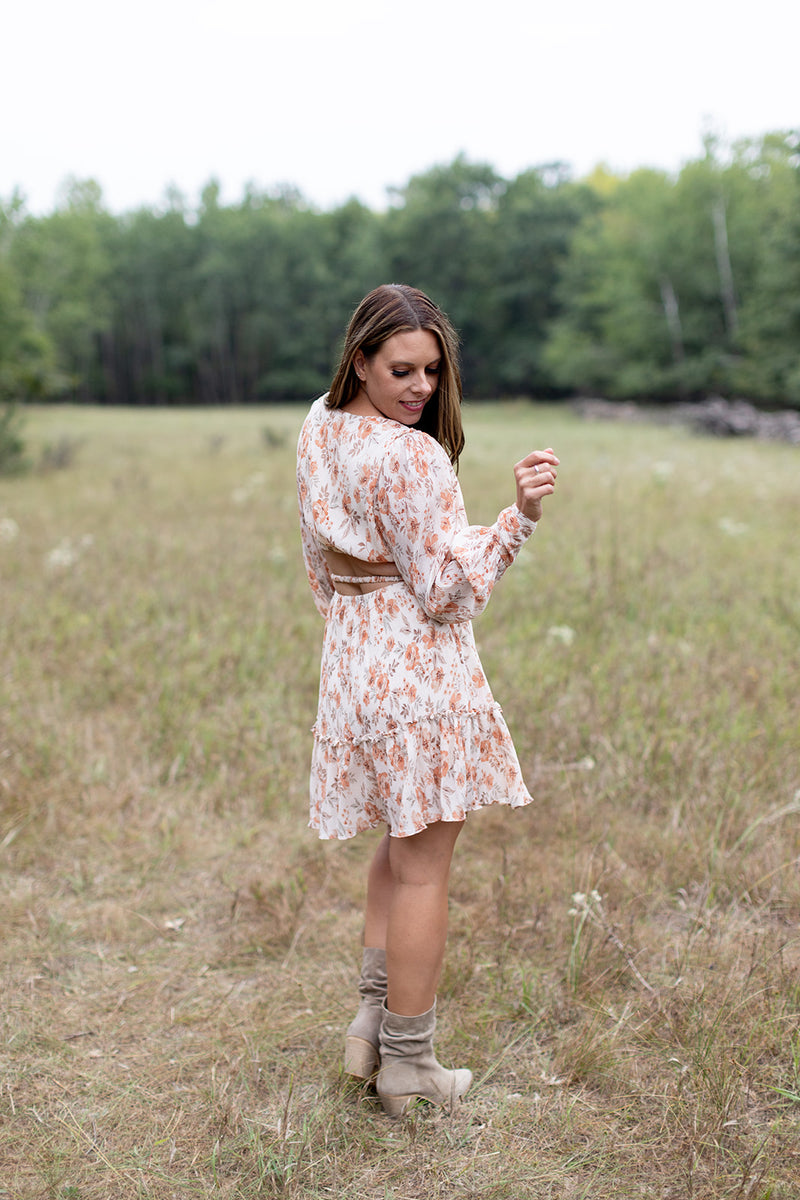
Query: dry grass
[[178, 951]]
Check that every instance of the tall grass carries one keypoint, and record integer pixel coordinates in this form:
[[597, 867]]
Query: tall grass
[[179, 951]]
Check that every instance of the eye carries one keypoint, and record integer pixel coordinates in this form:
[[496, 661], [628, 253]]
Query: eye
[[398, 374], [433, 370]]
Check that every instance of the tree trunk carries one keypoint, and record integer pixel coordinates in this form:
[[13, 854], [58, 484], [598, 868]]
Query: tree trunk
[[724, 269], [672, 313]]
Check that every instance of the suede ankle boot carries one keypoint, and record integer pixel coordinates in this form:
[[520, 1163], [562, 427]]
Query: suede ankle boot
[[363, 1033], [409, 1070]]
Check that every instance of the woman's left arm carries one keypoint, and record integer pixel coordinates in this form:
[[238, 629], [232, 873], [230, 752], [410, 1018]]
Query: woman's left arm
[[316, 567]]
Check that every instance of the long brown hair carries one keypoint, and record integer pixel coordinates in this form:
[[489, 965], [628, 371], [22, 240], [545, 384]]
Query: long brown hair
[[394, 308]]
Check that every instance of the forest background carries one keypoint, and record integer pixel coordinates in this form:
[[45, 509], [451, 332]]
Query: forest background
[[650, 285]]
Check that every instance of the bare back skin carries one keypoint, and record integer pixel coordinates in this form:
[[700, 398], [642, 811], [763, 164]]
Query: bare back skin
[[355, 577]]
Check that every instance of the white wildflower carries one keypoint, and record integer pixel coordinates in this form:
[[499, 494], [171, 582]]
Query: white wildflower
[[68, 551], [62, 556], [663, 470], [582, 905], [587, 763], [9, 529], [731, 527], [561, 633]]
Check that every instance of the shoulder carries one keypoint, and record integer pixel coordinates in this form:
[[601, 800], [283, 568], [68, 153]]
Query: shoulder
[[413, 450], [415, 472], [314, 421], [317, 411]]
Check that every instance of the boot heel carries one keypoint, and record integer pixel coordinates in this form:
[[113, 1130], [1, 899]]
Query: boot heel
[[397, 1106], [360, 1058]]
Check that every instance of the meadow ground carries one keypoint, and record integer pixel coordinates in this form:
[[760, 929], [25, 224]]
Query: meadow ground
[[178, 951]]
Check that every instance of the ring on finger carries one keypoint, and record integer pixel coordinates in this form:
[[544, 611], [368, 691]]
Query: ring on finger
[[536, 468]]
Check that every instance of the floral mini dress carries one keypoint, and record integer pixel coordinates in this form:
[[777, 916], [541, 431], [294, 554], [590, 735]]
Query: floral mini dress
[[407, 730]]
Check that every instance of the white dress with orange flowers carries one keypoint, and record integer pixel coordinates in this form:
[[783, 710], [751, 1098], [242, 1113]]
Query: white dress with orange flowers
[[407, 730]]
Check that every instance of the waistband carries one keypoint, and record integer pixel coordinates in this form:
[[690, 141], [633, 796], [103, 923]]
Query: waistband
[[362, 583]]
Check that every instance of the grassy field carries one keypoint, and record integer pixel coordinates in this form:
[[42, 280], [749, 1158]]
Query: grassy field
[[178, 951]]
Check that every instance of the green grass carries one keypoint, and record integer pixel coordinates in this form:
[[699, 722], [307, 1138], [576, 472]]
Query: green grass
[[179, 951]]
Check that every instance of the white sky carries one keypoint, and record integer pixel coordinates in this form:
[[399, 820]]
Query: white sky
[[349, 97]]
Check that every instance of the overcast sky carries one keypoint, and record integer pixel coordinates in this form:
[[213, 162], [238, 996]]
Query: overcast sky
[[350, 97]]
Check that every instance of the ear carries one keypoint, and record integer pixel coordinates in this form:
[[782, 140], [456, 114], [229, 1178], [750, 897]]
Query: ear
[[359, 363]]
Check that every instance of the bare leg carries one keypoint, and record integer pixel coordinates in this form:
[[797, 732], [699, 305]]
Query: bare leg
[[416, 927], [407, 912], [363, 1032], [379, 896]]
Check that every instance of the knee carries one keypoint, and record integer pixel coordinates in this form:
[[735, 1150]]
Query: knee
[[424, 858]]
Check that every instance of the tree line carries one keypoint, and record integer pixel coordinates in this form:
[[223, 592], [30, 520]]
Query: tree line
[[648, 285]]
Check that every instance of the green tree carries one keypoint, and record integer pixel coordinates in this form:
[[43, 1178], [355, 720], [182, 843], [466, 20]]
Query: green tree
[[769, 315], [146, 349], [352, 246], [679, 287], [64, 264], [537, 215], [622, 330], [255, 298], [26, 354], [441, 236]]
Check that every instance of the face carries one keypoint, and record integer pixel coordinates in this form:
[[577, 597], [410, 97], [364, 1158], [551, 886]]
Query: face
[[400, 379]]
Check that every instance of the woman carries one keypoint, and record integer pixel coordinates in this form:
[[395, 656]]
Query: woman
[[408, 734]]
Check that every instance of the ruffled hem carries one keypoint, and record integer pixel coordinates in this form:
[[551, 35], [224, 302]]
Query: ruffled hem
[[434, 769], [334, 729]]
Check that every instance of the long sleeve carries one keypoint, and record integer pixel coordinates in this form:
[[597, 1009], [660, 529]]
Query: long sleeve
[[451, 566], [316, 567]]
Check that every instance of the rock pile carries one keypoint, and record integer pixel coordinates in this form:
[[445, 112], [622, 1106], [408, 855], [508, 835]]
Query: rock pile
[[715, 415], [738, 418]]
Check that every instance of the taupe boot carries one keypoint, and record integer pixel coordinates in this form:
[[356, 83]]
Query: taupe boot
[[363, 1034], [409, 1070]]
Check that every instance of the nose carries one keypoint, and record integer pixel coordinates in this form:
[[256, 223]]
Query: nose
[[422, 385]]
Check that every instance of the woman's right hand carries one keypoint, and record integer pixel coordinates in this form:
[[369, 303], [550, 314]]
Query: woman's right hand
[[536, 478]]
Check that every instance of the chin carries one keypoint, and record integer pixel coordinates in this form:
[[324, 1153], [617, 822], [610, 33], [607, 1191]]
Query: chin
[[411, 418]]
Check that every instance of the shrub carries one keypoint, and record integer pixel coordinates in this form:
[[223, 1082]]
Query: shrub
[[12, 444]]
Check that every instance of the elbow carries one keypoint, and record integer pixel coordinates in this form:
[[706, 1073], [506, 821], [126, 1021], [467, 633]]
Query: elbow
[[446, 618], [454, 611]]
